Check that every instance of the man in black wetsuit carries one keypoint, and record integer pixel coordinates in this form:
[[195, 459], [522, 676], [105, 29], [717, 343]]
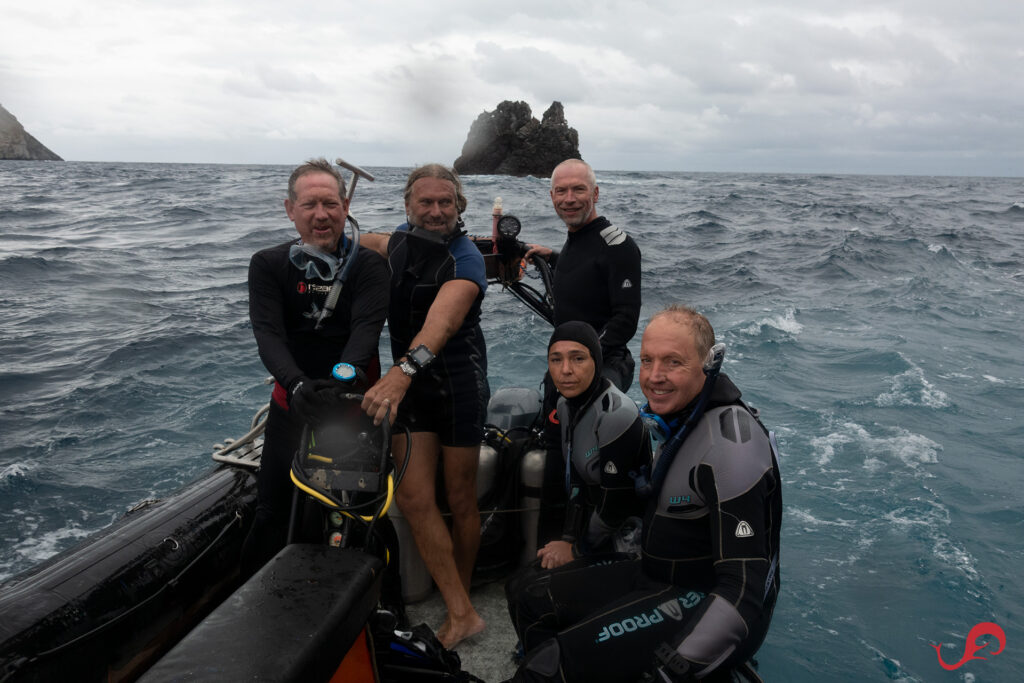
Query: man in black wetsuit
[[699, 601], [597, 272], [438, 384], [288, 286], [597, 281]]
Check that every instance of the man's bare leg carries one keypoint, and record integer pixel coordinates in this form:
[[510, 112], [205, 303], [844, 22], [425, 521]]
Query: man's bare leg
[[416, 498], [460, 467]]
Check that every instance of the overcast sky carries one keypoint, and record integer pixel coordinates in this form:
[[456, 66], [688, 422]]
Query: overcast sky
[[918, 87]]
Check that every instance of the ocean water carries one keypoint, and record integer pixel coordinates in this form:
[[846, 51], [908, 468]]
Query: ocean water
[[875, 321]]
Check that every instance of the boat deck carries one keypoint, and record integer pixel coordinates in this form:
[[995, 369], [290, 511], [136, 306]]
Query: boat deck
[[487, 655]]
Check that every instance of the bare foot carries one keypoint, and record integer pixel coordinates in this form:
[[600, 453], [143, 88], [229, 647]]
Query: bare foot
[[454, 631]]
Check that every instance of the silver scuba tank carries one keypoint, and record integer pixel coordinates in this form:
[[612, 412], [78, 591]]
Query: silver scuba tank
[[486, 472], [531, 483], [517, 408], [416, 581]]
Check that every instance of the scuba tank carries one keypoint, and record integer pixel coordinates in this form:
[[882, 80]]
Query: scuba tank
[[510, 410], [531, 486], [486, 472], [416, 581], [511, 413]]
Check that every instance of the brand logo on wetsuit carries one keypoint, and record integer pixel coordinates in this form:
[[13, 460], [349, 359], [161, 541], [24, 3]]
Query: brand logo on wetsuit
[[629, 625], [670, 609], [743, 530], [985, 628], [304, 287]]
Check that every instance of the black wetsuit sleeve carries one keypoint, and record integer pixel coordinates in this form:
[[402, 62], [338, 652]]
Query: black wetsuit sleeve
[[627, 453], [266, 313], [370, 289], [623, 267]]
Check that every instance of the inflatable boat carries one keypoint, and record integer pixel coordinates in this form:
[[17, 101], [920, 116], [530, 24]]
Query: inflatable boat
[[160, 596]]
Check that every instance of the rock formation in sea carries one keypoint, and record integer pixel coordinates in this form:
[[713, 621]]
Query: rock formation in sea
[[16, 143], [511, 141]]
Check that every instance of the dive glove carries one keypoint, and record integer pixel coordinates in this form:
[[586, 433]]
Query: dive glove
[[670, 666], [302, 399]]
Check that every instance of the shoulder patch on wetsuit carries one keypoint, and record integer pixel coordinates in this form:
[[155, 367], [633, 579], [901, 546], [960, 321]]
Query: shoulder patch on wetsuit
[[613, 236], [736, 425], [743, 530], [610, 468]]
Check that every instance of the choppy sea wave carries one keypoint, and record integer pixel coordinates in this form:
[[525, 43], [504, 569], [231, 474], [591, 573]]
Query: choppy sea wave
[[874, 321]]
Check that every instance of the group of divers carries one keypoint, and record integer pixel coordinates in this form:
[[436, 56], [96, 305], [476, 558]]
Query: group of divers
[[658, 544]]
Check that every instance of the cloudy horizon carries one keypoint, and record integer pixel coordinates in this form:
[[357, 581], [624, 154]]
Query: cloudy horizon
[[921, 88]]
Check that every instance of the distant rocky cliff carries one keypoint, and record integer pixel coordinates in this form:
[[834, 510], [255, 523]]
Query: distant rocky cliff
[[510, 141], [16, 143]]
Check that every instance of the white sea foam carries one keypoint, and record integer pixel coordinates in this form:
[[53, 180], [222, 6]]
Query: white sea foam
[[911, 388], [994, 380], [874, 465], [913, 450], [38, 548], [786, 322], [956, 375], [955, 555], [803, 516], [825, 446], [933, 519], [14, 471]]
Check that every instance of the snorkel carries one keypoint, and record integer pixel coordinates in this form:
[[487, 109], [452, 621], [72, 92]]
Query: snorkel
[[349, 257], [648, 487]]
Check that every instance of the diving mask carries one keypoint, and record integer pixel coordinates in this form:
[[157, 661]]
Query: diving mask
[[314, 262]]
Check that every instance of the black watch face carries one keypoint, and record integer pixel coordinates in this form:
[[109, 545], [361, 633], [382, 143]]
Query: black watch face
[[420, 356]]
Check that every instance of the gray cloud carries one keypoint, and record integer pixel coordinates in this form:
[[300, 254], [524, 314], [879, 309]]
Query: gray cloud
[[802, 84]]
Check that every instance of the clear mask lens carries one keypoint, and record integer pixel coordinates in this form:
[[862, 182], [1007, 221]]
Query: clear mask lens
[[314, 262]]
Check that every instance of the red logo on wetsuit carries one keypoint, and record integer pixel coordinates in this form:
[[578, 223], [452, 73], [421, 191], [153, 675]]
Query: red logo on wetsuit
[[301, 288], [985, 628]]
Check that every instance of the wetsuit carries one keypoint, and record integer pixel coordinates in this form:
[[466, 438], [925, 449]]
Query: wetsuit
[[708, 578], [449, 396], [605, 441], [283, 307], [597, 280]]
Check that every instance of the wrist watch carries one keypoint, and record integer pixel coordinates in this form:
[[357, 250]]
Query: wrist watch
[[407, 367], [415, 360]]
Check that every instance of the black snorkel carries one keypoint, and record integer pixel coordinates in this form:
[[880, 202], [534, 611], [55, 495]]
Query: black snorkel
[[648, 487], [350, 255]]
